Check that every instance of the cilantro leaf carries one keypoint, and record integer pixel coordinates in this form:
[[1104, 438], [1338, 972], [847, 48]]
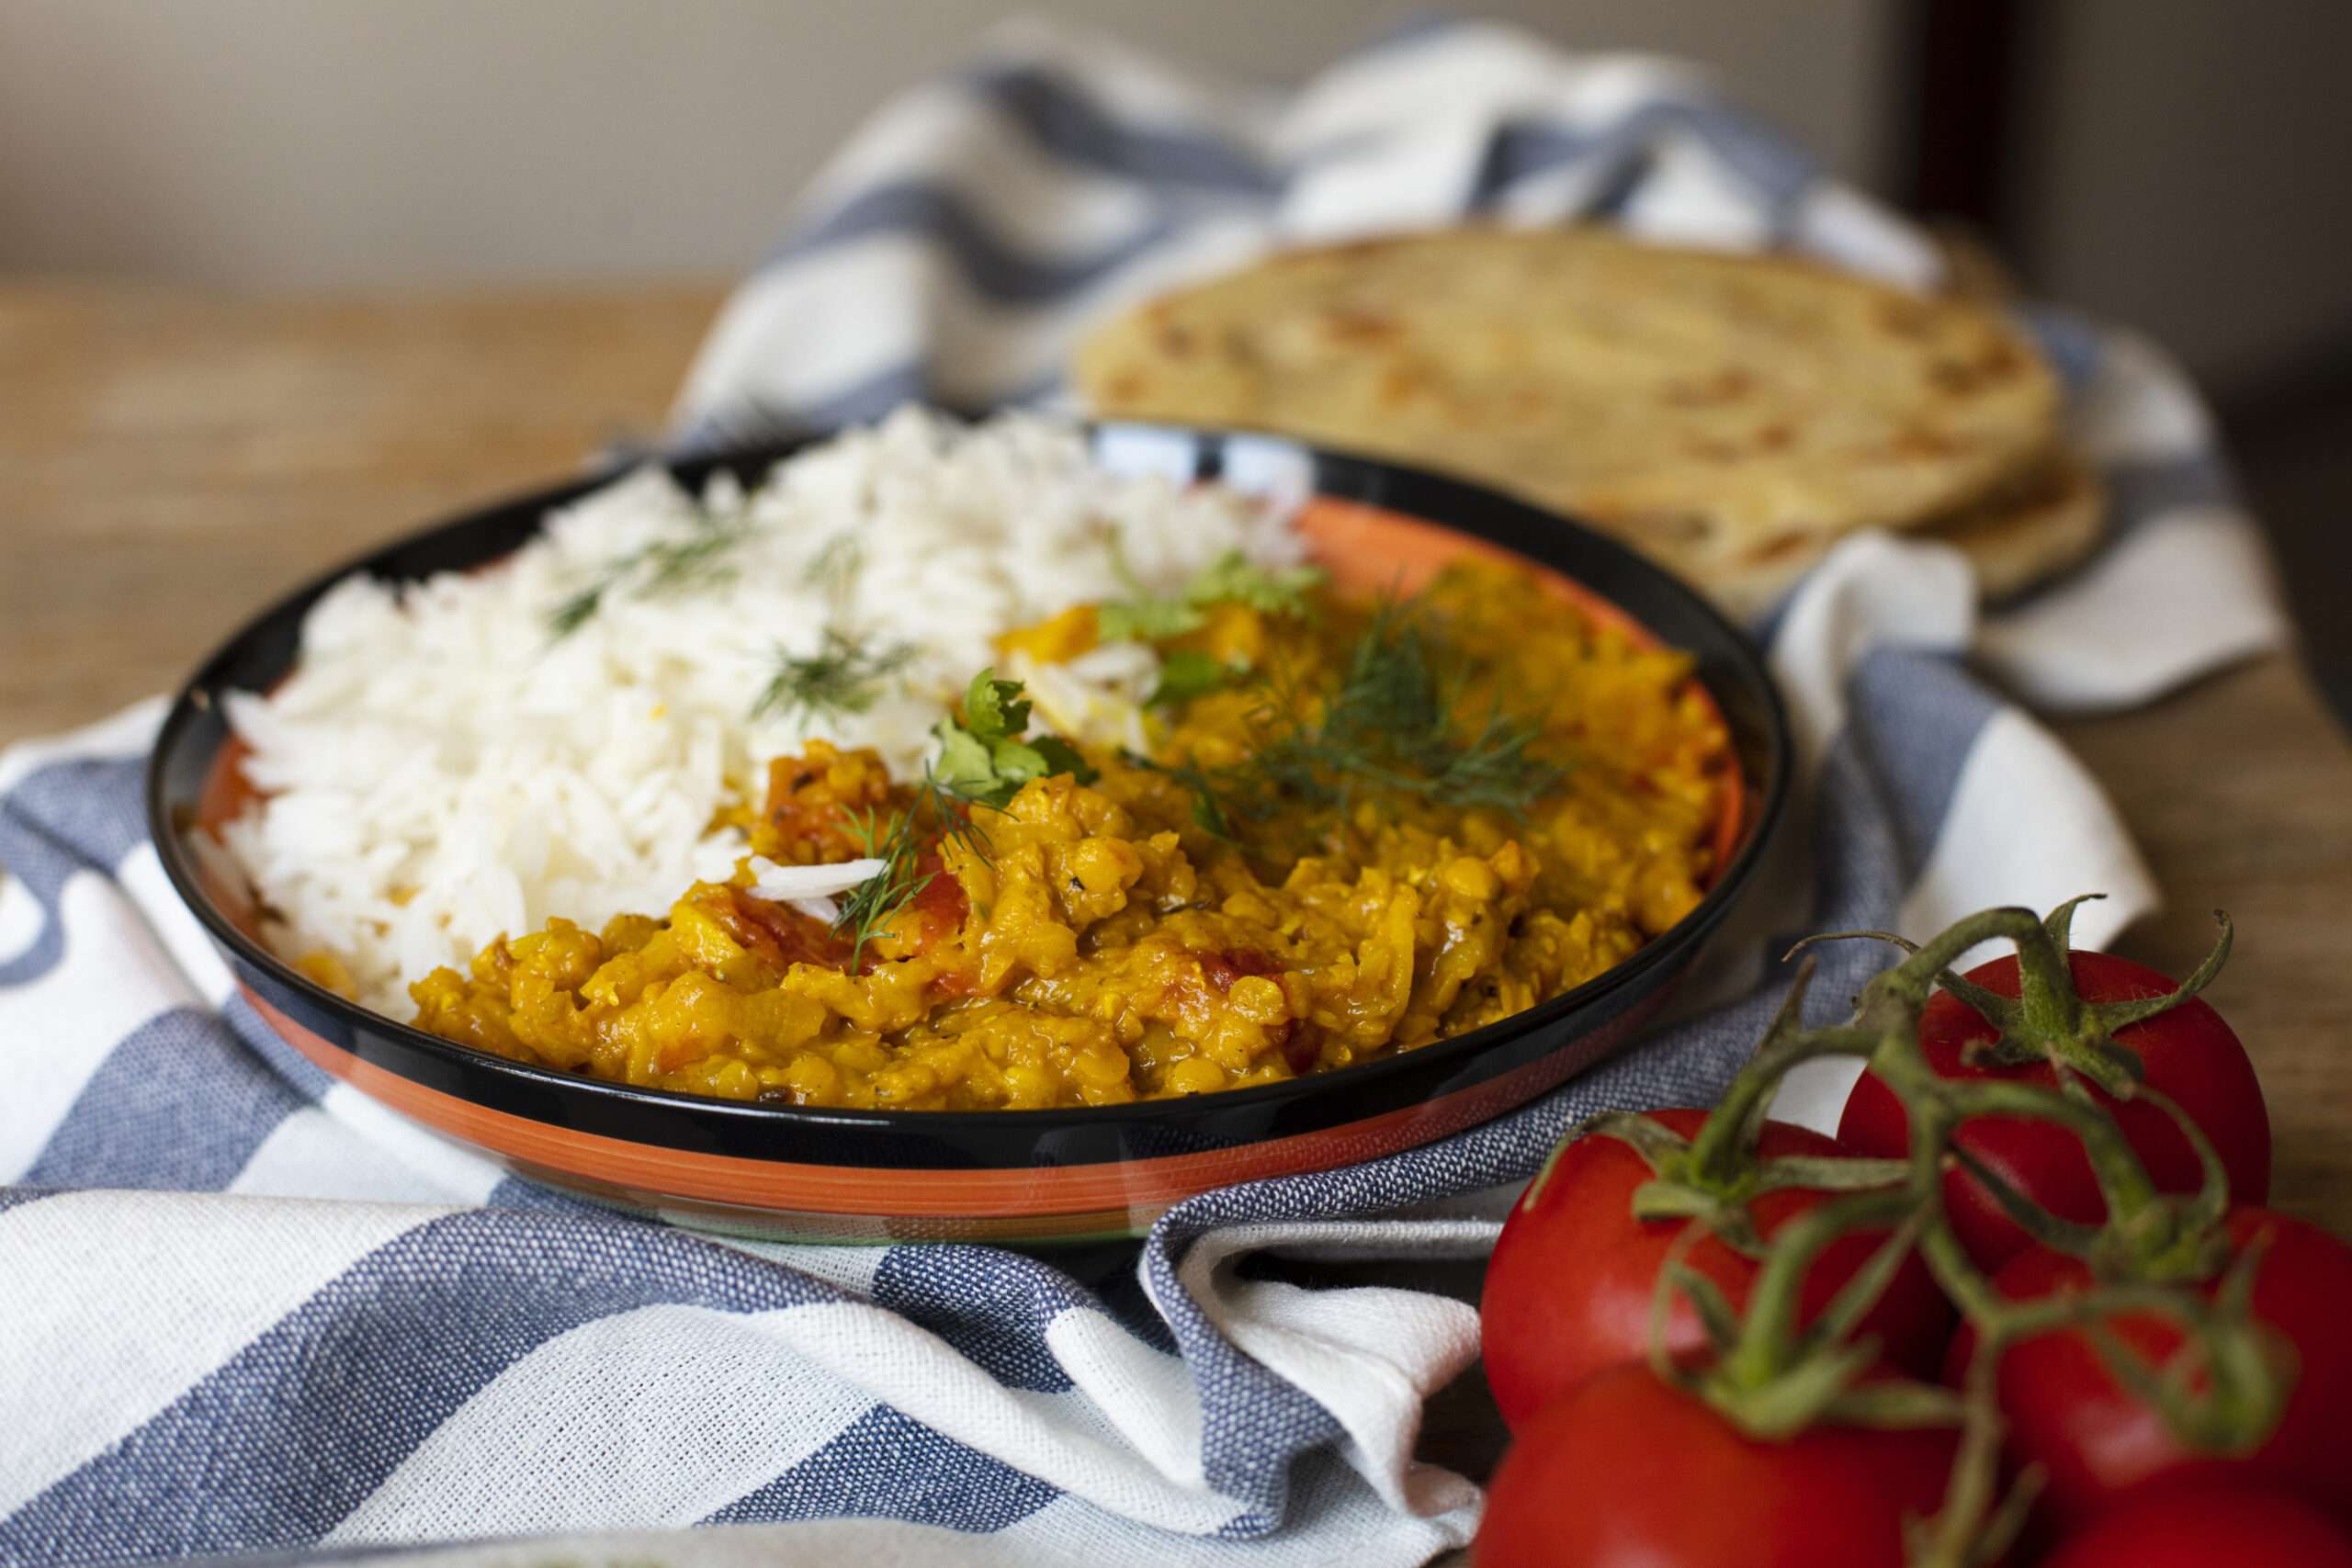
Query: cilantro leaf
[[1276, 589], [1060, 757], [994, 710], [1186, 673], [984, 757], [1232, 577], [1147, 620], [964, 765], [1017, 762]]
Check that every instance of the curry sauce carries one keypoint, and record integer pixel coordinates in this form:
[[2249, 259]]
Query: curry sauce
[[1240, 899]]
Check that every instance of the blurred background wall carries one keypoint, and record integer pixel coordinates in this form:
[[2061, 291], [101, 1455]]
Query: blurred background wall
[[2187, 165], [2180, 163], [272, 143]]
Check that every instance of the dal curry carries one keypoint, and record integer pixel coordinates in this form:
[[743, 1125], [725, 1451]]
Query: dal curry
[[1336, 831]]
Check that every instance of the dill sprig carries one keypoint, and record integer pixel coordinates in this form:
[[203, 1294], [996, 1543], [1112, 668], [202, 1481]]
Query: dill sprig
[[954, 814], [879, 898], [843, 676], [836, 565], [1387, 724], [1208, 802], [662, 566], [576, 611], [899, 843]]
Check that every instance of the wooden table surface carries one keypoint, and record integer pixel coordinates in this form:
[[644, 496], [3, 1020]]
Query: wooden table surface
[[169, 461]]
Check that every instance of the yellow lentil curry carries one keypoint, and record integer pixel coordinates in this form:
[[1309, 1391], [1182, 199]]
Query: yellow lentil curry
[[1280, 884]]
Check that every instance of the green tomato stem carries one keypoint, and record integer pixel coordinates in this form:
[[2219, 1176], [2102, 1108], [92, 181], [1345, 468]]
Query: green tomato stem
[[1769, 1342], [2123, 1181], [2222, 1393]]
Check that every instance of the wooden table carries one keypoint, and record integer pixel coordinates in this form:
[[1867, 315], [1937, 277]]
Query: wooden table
[[169, 461]]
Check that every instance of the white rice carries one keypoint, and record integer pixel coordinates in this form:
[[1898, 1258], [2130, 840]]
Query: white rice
[[440, 769]]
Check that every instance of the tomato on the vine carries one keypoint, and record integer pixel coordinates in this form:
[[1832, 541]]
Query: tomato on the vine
[[1569, 1288], [1629, 1472], [2189, 1053], [2202, 1526], [2098, 1441]]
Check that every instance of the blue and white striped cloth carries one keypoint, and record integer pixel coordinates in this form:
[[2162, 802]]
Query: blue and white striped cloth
[[244, 1309]]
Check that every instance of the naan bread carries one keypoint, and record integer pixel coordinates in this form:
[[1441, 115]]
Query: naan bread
[[1731, 415], [2047, 525], [2045, 522]]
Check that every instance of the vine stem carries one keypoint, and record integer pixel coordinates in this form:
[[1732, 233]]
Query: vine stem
[[1772, 1377], [1970, 1529], [2123, 1181], [1901, 1062], [1768, 1331], [1726, 1137], [1958, 1535]]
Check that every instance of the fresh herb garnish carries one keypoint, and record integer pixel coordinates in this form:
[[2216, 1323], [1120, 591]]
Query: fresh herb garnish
[[1186, 673], [1276, 589], [842, 676], [1232, 576], [834, 568], [1147, 620], [880, 897], [899, 843], [1389, 725], [664, 566], [984, 759], [1208, 807]]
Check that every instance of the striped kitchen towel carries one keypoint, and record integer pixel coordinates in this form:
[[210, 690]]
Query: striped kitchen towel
[[242, 1309]]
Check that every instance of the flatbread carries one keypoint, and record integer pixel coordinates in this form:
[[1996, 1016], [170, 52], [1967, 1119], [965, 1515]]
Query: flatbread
[[2031, 530], [2045, 528], [1730, 415]]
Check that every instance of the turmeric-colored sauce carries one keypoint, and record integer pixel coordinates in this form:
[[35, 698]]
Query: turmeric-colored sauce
[[1270, 893]]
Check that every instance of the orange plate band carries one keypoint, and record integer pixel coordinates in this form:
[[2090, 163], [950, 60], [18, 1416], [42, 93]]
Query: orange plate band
[[782, 1186]]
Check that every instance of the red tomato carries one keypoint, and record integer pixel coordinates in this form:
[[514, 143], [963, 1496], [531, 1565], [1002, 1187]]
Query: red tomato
[[2202, 1526], [1568, 1290], [2098, 1442], [2189, 1053], [1627, 1473]]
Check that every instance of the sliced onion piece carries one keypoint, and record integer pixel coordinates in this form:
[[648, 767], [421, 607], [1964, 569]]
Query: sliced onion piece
[[814, 884]]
